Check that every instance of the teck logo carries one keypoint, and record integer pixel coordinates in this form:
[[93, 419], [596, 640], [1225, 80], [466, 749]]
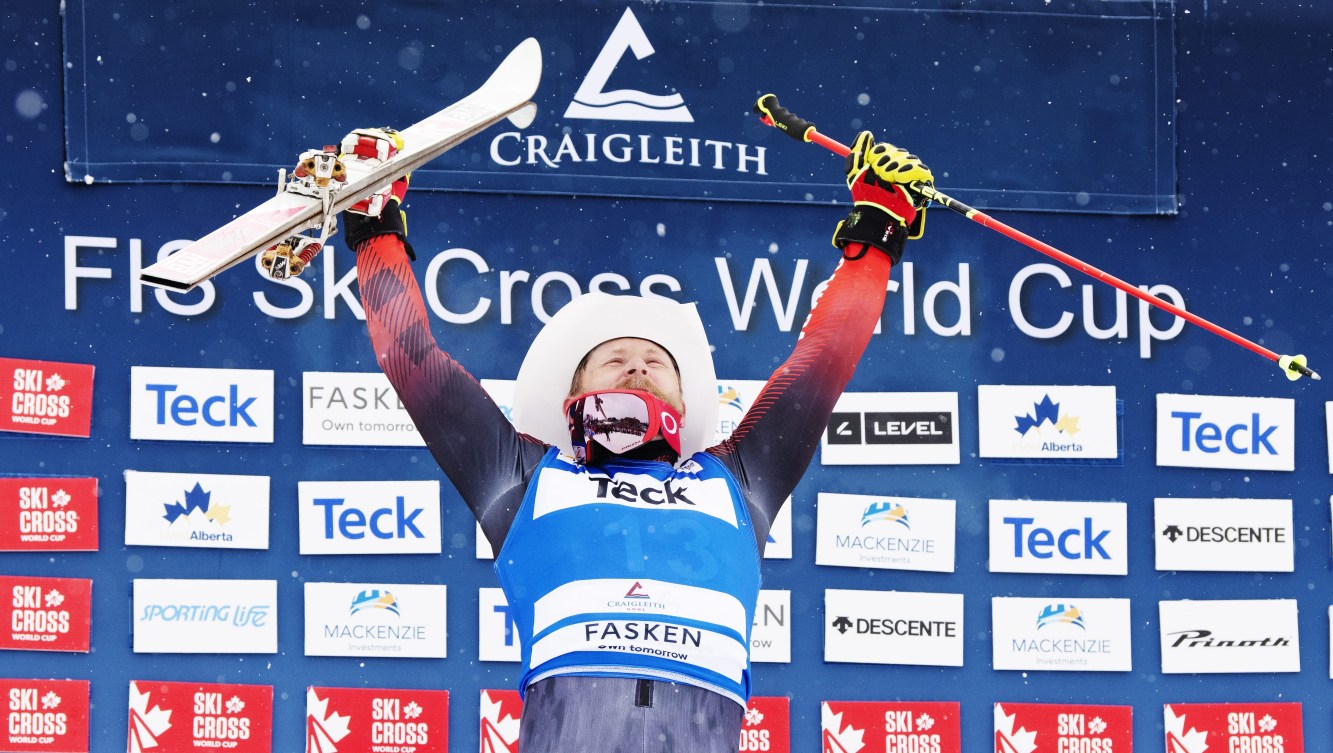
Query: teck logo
[[369, 517], [1207, 431], [201, 405], [1058, 537]]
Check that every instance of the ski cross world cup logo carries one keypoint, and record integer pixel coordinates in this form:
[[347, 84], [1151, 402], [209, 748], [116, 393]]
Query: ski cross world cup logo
[[593, 102]]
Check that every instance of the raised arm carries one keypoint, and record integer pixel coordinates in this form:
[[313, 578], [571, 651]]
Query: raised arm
[[773, 445], [484, 457]]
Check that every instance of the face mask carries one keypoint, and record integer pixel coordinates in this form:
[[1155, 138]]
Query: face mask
[[620, 421]]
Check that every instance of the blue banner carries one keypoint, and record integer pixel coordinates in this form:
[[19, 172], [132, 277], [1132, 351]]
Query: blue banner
[[1053, 106]]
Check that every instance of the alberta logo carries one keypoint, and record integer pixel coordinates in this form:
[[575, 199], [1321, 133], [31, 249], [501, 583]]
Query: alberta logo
[[200, 501], [888, 512], [375, 599], [1048, 421], [1060, 614], [1046, 412]]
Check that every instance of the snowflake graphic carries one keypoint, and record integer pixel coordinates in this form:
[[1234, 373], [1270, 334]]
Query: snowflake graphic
[[412, 710], [753, 716], [54, 598], [50, 700], [55, 383], [60, 498], [1267, 724], [1097, 725], [925, 722], [235, 705]]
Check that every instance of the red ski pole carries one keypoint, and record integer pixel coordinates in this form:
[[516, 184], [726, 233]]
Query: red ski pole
[[773, 114]]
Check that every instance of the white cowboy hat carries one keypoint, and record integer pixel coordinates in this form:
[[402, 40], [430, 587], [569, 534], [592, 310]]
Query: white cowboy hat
[[592, 319]]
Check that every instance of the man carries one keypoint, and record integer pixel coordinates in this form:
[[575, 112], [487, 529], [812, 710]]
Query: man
[[629, 550]]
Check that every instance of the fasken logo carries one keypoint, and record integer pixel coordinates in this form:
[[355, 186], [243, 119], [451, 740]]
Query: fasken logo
[[593, 102]]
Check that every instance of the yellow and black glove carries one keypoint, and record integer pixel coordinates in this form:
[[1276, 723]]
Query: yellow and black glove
[[885, 211]]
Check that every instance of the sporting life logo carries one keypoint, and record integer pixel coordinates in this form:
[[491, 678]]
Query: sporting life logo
[[1080, 538], [201, 405], [592, 101], [1210, 431], [369, 517], [1062, 635], [892, 428], [205, 616]]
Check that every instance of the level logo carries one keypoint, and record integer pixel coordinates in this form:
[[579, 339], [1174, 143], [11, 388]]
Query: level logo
[[593, 102]]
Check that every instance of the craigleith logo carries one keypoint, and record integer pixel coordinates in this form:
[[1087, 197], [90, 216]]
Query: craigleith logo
[[636, 592], [888, 512], [1060, 614], [593, 102], [375, 599]]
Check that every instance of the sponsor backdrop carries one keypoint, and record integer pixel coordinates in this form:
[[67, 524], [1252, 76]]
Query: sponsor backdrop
[[1039, 508]]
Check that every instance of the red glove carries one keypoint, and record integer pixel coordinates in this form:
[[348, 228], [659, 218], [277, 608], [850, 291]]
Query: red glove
[[885, 211]]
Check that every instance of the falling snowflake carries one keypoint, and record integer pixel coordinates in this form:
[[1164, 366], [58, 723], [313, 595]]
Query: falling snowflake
[[60, 498], [54, 598], [235, 705], [50, 700], [1012, 740], [412, 710], [753, 716], [1097, 725], [55, 383], [925, 722], [1267, 724]]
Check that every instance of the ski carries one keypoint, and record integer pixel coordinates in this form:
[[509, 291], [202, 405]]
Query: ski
[[299, 206]]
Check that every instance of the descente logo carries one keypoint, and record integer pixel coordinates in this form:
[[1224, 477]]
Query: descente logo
[[592, 101]]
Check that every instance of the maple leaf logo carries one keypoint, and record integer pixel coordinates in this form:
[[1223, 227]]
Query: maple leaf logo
[[322, 729], [1046, 412], [235, 705], [50, 700], [1180, 741], [1096, 725], [925, 722], [753, 716], [55, 383], [412, 710], [1267, 724], [54, 598], [1009, 740], [198, 499], [498, 735], [837, 739], [60, 498], [146, 725]]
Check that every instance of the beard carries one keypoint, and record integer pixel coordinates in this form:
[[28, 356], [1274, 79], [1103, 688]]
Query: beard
[[644, 384]]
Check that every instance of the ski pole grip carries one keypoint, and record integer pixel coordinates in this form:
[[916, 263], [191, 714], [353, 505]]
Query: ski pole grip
[[781, 118]]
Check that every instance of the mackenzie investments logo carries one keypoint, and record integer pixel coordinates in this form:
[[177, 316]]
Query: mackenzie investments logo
[[1060, 614], [375, 599], [888, 512]]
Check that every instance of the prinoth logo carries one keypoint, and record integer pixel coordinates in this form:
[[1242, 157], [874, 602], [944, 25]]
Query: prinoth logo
[[1046, 424], [200, 518], [1205, 639], [592, 101]]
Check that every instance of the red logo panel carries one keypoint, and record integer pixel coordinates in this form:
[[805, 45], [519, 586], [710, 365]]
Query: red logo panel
[[44, 716], [373, 720], [45, 397], [890, 726], [189, 716], [48, 514], [1059, 727], [1256, 727], [45, 614], [767, 725]]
